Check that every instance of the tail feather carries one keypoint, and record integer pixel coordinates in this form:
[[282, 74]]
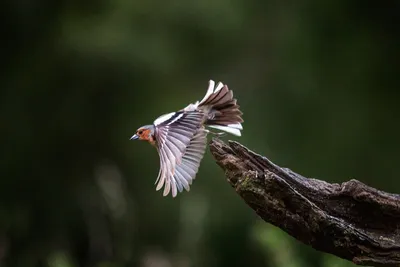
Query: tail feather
[[227, 129], [227, 104], [223, 110]]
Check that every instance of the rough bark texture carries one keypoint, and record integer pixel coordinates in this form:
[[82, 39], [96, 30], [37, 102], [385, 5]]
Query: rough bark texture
[[350, 220]]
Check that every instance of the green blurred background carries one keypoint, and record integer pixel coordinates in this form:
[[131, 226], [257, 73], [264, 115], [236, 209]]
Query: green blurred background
[[317, 81]]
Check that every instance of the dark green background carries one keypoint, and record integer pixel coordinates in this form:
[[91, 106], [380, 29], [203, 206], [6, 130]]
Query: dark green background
[[317, 81]]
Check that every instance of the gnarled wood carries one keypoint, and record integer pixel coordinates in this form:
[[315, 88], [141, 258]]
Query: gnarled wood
[[350, 220]]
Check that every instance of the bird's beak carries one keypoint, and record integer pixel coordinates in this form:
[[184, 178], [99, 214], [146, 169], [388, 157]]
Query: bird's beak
[[134, 137]]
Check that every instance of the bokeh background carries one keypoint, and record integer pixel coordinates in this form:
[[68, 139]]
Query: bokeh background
[[317, 81]]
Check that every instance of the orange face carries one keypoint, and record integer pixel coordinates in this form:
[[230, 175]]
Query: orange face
[[145, 135]]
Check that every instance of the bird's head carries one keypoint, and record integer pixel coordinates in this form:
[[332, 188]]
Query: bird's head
[[145, 133]]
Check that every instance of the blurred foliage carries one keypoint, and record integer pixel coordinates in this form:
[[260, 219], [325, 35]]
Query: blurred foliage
[[317, 82]]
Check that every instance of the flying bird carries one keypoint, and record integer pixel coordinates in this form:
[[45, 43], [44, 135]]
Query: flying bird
[[181, 137]]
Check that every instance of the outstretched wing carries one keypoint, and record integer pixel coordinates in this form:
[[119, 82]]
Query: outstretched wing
[[179, 136], [186, 170]]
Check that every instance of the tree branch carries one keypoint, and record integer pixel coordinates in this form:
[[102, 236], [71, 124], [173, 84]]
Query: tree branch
[[350, 220]]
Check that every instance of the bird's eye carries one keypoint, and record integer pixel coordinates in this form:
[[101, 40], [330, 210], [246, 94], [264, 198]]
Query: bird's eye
[[140, 132]]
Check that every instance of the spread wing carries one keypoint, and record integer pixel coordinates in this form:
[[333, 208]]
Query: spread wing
[[186, 171], [181, 143]]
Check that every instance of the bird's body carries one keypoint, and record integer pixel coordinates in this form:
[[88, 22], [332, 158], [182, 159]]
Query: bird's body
[[181, 137]]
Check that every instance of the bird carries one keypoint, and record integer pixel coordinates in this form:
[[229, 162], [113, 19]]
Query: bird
[[181, 137]]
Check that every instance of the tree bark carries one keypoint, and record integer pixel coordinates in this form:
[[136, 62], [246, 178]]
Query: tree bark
[[350, 220]]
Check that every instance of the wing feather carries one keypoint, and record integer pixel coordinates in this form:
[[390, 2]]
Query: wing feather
[[181, 143], [163, 170], [194, 153], [180, 181], [190, 163], [179, 137], [183, 182]]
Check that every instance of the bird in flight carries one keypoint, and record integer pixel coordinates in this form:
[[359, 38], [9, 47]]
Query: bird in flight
[[181, 137]]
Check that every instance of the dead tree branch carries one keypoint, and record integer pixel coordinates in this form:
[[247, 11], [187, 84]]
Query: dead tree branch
[[350, 220]]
